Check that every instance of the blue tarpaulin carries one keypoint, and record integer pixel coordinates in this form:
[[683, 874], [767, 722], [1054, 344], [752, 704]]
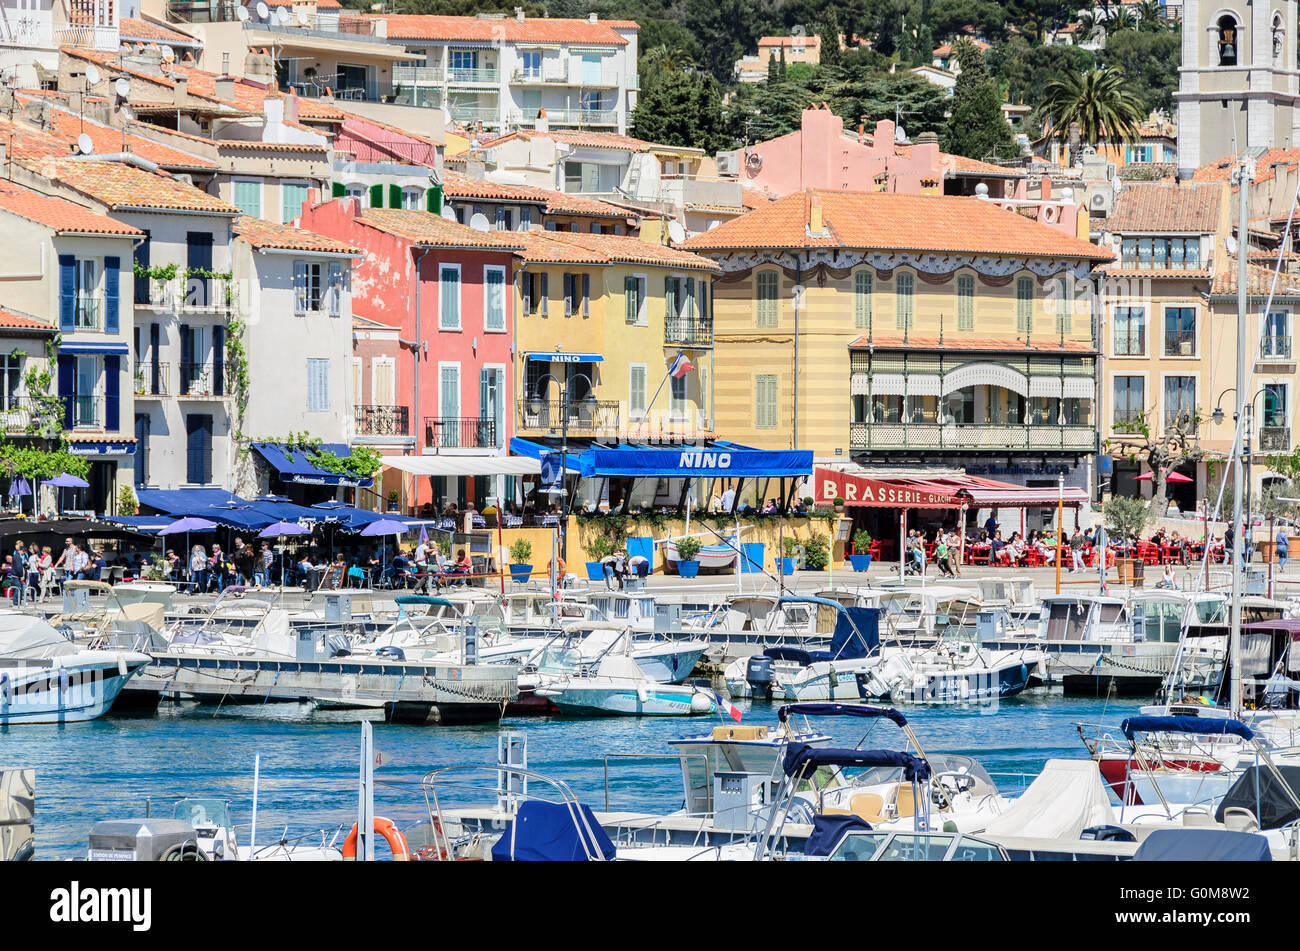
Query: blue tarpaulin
[[1207, 726], [829, 830], [293, 465], [552, 832], [1202, 845], [802, 760]]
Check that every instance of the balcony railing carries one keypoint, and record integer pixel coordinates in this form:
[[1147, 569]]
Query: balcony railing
[[990, 436], [24, 414], [692, 331], [460, 432], [202, 379], [382, 421], [417, 74], [1274, 438], [203, 11], [87, 411], [458, 75], [151, 379], [474, 113], [1275, 347], [586, 117], [584, 416], [91, 37], [1180, 343], [88, 313]]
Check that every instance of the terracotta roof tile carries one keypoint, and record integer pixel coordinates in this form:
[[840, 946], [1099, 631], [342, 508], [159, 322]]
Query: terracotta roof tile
[[267, 234], [584, 248], [423, 227], [506, 29], [569, 203], [1259, 281], [130, 28], [457, 185], [58, 213], [1173, 274], [956, 341], [961, 165], [11, 321], [107, 139], [888, 222], [1221, 170], [1191, 207], [125, 186]]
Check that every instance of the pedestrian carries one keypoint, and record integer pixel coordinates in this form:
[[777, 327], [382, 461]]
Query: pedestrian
[[67, 558], [1167, 581], [243, 560], [198, 570], [1076, 551], [1282, 548], [262, 572]]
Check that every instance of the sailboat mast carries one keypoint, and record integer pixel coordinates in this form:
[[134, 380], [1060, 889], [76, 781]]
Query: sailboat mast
[[1238, 462]]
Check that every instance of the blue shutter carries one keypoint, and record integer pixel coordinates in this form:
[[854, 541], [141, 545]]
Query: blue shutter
[[141, 253], [112, 277], [112, 383], [300, 287], [67, 387], [198, 449], [219, 361], [187, 359], [336, 289], [67, 292]]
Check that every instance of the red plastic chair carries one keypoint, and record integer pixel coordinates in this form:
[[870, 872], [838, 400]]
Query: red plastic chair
[[979, 554]]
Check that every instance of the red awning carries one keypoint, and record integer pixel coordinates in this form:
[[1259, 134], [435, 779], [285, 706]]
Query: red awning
[[882, 493], [1014, 497]]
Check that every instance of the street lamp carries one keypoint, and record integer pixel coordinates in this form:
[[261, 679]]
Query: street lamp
[[564, 445], [1218, 416]]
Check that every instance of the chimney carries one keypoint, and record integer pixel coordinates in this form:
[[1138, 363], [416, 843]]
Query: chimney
[[815, 215], [1045, 188], [519, 14], [542, 124], [224, 88], [181, 92], [591, 18]]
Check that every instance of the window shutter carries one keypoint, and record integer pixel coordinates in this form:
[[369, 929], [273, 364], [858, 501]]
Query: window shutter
[[300, 287], [670, 298], [903, 301], [337, 190], [112, 392], [394, 196], [112, 287], [67, 386], [862, 290], [568, 294], [630, 299], [67, 293], [376, 196], [965, 302], [219, 360], [546, 293], [433, 199], [336, 289], [526, 291], [690, 297], [155, 369], [586, 295], [187, 358], [141, 255], [1024, 304], [1064, 306]]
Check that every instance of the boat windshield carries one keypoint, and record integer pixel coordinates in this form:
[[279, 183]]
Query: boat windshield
[[913, 847], [201, 813], [559, 660], [1212, 611]]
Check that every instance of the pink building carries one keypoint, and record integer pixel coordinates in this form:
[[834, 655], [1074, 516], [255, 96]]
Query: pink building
[[446, 290]]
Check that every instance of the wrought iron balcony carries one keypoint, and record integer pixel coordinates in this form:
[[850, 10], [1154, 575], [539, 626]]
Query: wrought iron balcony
[[202, 380], [582, 416], [968, 436], [382, 421], [1274, 347], [151, 379], [26, 414], [691, 331], [1274, 438], [460, 432]]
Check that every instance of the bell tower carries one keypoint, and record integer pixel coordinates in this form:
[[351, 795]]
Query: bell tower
[[1238, 86]]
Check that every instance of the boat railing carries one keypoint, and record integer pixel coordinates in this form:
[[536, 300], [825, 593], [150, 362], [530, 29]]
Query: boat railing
[[674, 757], [1015, 784]]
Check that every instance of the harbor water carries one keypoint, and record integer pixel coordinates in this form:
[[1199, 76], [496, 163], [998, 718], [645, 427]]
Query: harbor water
[[107, 768]]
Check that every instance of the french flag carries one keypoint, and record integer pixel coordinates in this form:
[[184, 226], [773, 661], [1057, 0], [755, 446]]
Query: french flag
[[681, 366], [727, 708]]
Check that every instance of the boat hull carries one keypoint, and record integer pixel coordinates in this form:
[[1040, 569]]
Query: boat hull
[[68, 690], [654, 701]]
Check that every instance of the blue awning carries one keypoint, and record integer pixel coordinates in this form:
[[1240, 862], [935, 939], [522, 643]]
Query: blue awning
[[185, 501], [535, 450], [75, 347], [559, 356], [145, 523], [105, 448], [714, 459], [285, 511], [294, 466]]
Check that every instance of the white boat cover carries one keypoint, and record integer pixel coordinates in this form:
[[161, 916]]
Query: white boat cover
[[1066, 798], [274, 636], [31, 638]]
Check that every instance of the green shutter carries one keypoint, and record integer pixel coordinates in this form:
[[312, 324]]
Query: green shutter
[[765, 401], [394, 196], [862, 299], [631, 299], [433, 199], [903, 286], [767, 289], [965, 302], [376, 196], [1024, 304], [337, 190]]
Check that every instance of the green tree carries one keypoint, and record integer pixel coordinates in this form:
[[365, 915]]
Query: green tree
[[773, 71], [977, 128], [1026, 70], [1149, 62], [829, 33], [681, 109], [1125, 517], [1100, 101]]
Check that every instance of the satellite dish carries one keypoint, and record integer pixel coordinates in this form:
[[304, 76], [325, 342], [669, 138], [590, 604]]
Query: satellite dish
[[92, 74], [282, 14], [84, 144], [122, 87], [169, 54], [302, 17], [263, 11], [676, 232], [449, 212], [242, 13], [479, 222], [128, 115]]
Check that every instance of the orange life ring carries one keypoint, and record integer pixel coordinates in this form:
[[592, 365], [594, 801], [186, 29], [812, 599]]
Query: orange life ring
[[392, 835]]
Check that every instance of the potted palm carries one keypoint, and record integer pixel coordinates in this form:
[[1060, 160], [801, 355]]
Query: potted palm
[[392, 500], [838, 503], [861, 557], [599, 549], [790, 551], [521, 553], [687, 549], [816, 556]]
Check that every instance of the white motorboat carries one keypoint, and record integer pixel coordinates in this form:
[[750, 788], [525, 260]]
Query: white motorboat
[[952, 671], [46, 679], [615, 686]]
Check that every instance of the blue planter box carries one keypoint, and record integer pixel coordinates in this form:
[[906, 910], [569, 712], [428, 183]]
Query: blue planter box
[[785, 566], [595, 571], [688, 569], [521, 572], [860, 562]]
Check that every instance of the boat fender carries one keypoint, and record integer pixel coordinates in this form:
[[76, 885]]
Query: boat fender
[[63, 679], [641, 693], [392, 835], [6, 689], [121, 666]]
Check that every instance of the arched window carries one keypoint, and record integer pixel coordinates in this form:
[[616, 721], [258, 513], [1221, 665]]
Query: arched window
[[1228, 42], [1279, 36]]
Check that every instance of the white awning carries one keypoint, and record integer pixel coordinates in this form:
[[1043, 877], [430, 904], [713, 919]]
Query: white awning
[[1079, 388], [464, 465], [1045, 386]]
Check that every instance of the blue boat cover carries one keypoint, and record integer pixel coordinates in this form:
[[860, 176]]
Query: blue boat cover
[[294, 465], [1205, 725], [857, 635], [840, 710], [1267, 797], [829, 830], [802, 759], [550, 832], [1202, 845]]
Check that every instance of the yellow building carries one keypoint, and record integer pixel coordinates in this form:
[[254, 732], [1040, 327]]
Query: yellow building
[[906, 330], [601, 320]]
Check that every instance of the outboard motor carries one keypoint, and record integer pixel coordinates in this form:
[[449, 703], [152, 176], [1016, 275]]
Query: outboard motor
[[390, 653], [760, 671], [339, 645]]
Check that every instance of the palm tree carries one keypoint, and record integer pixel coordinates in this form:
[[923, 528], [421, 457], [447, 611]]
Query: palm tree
[[1121, 18], [1151, 17], [667, 58], [1099, 101], [1089, 24]]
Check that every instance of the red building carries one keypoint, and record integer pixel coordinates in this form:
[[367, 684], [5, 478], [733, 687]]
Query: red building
[[447, 290]]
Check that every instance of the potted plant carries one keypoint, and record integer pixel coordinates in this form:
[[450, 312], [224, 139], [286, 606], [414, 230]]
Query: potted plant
[[861, 557], [521, 553], [392, 500], [838, 503], [599, 549], [790, 551], [687, 549], [816, 556]]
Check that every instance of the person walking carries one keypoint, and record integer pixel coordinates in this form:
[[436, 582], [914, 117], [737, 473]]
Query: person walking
[[1076, 551], [1283, 543], [198, 570]]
